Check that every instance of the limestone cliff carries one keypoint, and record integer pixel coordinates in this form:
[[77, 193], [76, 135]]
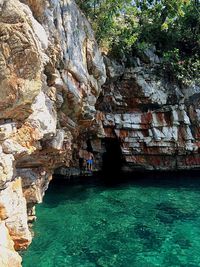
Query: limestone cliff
[[155, 120], [51, 72]]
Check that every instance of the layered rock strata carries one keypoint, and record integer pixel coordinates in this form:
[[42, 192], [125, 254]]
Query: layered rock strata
[[155, 121], [51, 72]]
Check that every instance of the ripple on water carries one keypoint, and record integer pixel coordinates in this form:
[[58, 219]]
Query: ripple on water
[[128, 225]]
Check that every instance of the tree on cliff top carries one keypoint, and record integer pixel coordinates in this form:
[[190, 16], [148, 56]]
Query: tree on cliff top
[[172, 26]]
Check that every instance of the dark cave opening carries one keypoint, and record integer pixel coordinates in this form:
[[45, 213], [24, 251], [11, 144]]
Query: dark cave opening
[[112, 157], [89, 146]]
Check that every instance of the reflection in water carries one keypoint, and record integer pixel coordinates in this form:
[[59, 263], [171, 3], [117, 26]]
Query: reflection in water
[[146, 222]]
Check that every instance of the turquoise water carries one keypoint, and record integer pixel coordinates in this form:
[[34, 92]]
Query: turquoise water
[[145, 222]]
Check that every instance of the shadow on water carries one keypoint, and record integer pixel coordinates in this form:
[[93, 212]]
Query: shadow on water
[[141, 219], [183, 179], [78, 189]]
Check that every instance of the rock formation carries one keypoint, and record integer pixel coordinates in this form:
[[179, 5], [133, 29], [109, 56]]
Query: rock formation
[[52, 103], [51, 72], [155, 120]]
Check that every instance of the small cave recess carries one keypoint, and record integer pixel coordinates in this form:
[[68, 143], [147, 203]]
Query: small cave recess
[[112, 158]]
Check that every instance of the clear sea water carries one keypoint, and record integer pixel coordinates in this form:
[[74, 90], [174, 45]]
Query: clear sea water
[[140, 222]]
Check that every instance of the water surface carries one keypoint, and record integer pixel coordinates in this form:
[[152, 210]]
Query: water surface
[[143, 222]]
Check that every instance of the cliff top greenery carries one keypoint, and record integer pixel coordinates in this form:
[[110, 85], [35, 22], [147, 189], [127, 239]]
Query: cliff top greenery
[[126, 27]]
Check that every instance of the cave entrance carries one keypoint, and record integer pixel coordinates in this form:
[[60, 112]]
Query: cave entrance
[[89, 146], [112, 157]]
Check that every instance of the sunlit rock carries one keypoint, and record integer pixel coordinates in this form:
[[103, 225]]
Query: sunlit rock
[[9, 258], [13, 211]]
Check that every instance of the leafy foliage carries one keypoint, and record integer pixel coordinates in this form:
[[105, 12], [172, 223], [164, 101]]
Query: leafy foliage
[[172, 26], [114, 22], [185, 70]]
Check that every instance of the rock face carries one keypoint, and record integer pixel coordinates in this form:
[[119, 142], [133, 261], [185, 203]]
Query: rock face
[[13, 211], [51, 73], [20, 61], [155, 121], [9, 257]]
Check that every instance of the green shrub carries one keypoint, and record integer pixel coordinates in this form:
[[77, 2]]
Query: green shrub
[[172, 26]]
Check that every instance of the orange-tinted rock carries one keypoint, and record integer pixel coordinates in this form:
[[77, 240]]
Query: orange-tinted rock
[[20, 62], [13, 211], [8, 258], [49, 84], [152, 119]]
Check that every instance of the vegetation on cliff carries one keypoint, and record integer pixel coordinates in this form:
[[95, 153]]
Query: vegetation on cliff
[[129, 27]]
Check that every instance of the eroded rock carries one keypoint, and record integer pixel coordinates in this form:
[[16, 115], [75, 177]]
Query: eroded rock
[[51, 72], [20, 60], [13, 212], [155, 121], [9, 257], [6, 169]]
